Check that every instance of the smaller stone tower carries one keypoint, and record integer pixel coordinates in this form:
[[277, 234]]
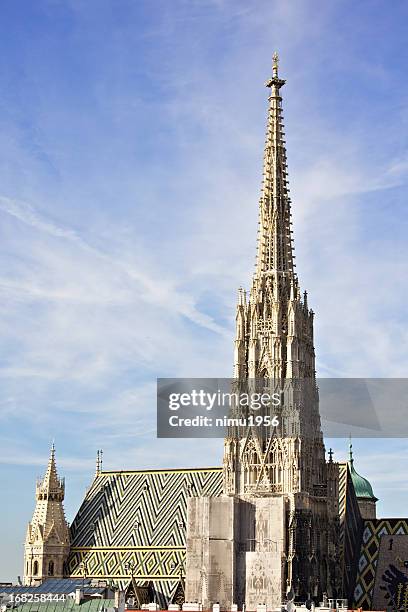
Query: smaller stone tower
[[47, 539], [365, 497]]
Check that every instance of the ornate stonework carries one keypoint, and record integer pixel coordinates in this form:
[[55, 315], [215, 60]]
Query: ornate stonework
[[274, 352], [274, 343], [47, 540]]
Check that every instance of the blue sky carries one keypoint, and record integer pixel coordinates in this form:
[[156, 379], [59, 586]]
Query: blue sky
[[131, 138]]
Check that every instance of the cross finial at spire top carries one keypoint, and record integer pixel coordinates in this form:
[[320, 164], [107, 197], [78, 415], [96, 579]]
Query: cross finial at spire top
[[275, 64], [275, 82]]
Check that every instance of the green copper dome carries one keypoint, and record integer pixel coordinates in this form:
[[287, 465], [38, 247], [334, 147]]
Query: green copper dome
[[362, 487]]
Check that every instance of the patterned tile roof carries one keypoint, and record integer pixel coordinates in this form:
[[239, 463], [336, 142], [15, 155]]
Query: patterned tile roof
[[138, 518]]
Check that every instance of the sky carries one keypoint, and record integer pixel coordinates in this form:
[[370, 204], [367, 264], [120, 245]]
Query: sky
[[131, 143]]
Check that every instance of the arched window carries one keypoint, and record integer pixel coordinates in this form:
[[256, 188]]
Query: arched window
[[35, 568], [51, 568]]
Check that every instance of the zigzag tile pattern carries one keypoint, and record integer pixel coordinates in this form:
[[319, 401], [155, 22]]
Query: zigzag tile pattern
[[148, 563], [138, 518], [343, 481], [372, 532]]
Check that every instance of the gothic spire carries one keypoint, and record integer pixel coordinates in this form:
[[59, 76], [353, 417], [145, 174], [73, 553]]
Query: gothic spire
[[51, 482], [274, 343], [275, 251], [47, 539]]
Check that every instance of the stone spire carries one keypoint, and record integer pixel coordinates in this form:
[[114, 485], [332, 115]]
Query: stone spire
[[51, 484], [47, 539], [268, 532], [275, 252], [274, 336], [274, 343]]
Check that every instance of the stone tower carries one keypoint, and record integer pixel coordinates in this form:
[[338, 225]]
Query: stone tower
[[47, 540], [268, 533]]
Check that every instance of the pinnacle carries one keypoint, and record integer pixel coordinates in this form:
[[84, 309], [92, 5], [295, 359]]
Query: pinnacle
[[51, 480], [275, 250]]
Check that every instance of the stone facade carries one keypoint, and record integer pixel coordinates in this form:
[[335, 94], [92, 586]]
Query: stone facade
[[235, 550]]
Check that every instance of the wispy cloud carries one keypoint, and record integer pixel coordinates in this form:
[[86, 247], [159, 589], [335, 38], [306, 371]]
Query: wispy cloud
[[152, 288]]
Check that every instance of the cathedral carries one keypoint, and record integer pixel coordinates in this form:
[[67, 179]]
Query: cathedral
[[279, 519]]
